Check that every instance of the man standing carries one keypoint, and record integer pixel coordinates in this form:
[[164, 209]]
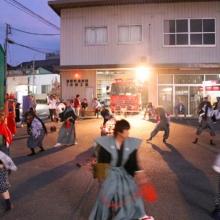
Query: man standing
[[77, 105]]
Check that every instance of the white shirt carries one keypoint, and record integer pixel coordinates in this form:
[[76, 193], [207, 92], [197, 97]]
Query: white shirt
[[96, 104], [52, 104]]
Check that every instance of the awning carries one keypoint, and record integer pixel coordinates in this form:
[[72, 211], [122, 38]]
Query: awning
[[181, 66], [67, 4]]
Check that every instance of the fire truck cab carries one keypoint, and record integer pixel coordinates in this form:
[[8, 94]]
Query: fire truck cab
[[125, 96]]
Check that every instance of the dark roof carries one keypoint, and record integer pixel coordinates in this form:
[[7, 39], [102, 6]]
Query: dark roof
[[66, 4], [46, 64]]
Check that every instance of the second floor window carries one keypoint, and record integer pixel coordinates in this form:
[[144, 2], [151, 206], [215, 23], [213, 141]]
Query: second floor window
[[96, 35], [130, 34], [193, 32]]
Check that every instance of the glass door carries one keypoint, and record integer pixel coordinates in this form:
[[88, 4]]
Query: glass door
[[195, 99], [165, 98], [181, 94]]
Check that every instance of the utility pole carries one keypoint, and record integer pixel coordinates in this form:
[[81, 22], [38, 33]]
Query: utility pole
[[34, 74], [6, 52]]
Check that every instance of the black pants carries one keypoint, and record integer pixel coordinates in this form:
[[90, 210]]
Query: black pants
[[161, 127], [52, 114]]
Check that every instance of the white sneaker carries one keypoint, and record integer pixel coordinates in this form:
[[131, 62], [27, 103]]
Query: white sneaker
[[143, 118], [75, 143], [57, 145]]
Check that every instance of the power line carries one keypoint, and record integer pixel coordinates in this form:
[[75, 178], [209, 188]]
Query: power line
[[43, 48], [47, 10], [40, 50], [32, 33], [33, 14]]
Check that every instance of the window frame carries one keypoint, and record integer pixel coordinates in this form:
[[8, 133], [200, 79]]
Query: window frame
[[45, 86], [94, 27], [130, 42], [189, 33]]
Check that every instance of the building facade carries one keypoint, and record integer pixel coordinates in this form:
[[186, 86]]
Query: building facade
[[177, 42]]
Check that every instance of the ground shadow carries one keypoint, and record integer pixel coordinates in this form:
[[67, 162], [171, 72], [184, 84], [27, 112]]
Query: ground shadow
[[190, 180], [25, 159], [47, 177]]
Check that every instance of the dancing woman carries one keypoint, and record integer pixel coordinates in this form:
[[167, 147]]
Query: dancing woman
[[67, 134], [36, 130], [205, 121], [163, 124]]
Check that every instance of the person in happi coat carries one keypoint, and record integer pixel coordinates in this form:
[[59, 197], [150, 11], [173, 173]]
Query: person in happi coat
[[116, 167]]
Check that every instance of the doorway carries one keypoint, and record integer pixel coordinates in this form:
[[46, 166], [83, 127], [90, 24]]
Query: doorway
[[90, 97]]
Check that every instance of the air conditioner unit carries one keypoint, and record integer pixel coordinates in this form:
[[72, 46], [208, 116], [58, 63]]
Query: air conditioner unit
[[143, 59]]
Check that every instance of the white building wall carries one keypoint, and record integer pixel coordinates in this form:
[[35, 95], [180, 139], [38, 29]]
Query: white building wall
[[151, 16], [44, 79]]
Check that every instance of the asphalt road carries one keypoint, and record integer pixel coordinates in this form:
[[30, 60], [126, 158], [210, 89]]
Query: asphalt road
[[50, 185]]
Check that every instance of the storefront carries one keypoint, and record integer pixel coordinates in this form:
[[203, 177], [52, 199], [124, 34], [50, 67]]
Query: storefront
[[190, 89]]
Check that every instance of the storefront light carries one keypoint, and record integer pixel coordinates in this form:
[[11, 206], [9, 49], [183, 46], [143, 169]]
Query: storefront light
[[142, 73], [167, 89]]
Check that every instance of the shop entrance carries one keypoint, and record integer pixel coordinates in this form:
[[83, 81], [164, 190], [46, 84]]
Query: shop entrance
[[190, 97]]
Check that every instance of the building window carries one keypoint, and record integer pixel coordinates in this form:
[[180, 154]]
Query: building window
[[96, 35], [45, 89], [189, 32], [130, 34]]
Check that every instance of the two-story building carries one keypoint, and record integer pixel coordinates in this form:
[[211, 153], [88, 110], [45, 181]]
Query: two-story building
[[177, 41]]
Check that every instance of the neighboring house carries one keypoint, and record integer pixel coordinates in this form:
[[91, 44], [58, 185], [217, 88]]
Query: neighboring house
[[178, 40], [21, 81], [2, 73]]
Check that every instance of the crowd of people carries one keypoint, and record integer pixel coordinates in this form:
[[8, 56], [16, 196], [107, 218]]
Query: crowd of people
[[121, 165]]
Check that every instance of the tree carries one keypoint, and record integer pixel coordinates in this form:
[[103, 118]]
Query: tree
[[55, 90]]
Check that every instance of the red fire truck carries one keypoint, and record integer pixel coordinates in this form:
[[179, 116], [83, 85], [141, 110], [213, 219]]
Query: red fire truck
[[125, 96]]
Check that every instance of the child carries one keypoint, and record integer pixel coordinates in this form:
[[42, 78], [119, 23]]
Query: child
[[84, 107], [149, 111], [108, 127]]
